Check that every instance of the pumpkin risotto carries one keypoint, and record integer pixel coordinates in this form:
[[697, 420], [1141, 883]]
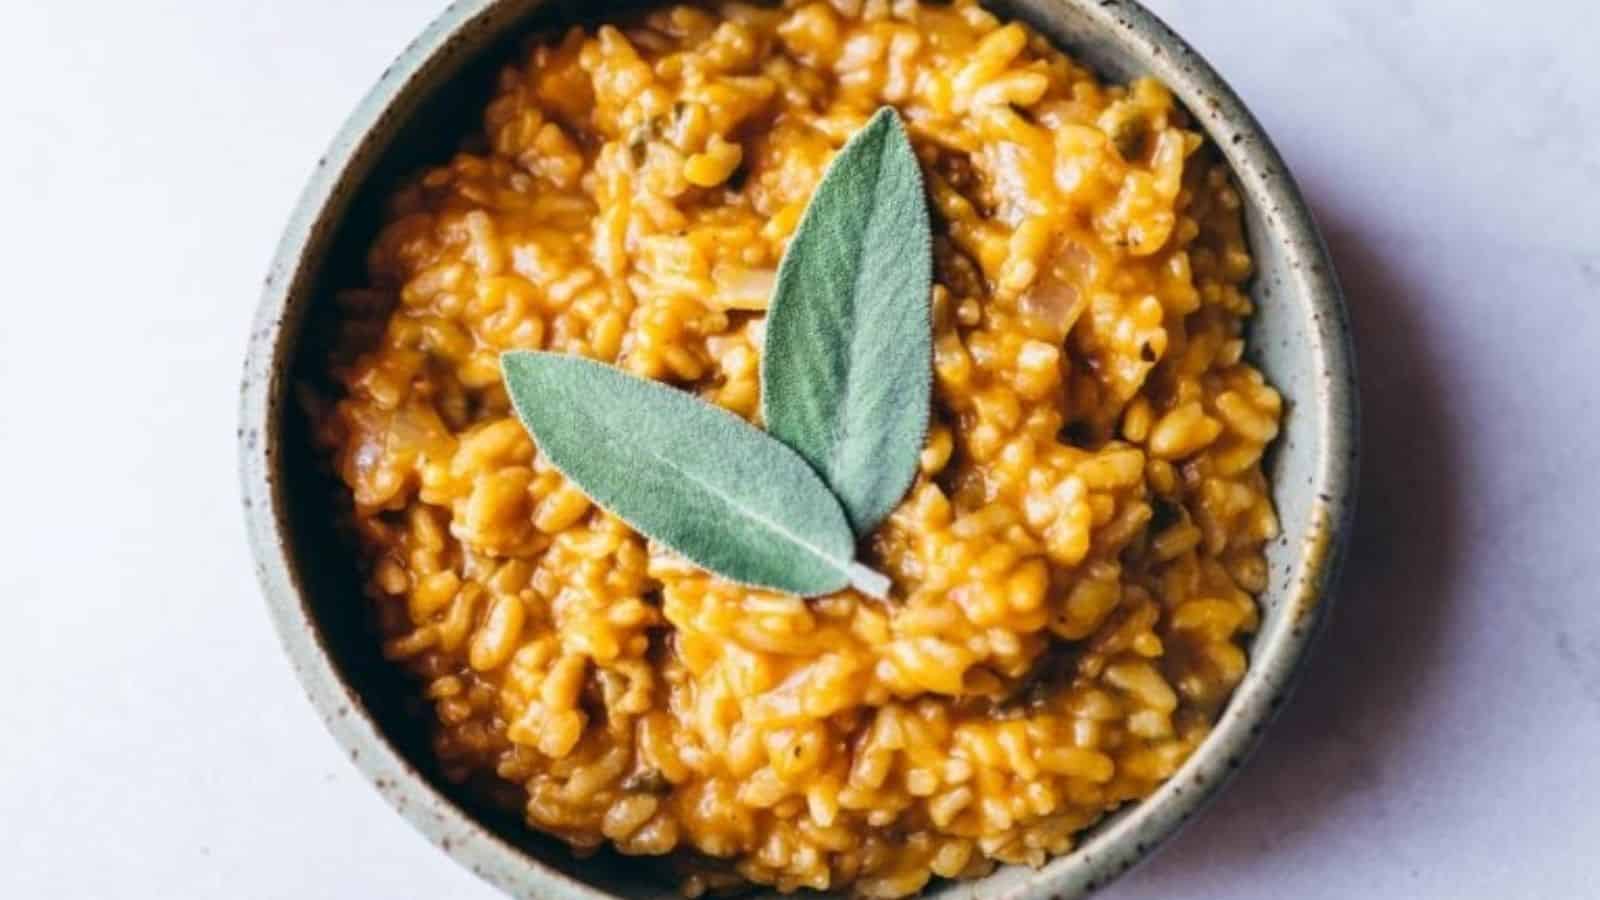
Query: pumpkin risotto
[[1073, 568]]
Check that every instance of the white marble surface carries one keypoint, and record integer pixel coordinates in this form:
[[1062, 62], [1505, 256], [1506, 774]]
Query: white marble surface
[[1446, 742]]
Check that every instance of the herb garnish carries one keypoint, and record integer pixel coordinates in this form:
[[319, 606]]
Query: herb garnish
[[846, 380]]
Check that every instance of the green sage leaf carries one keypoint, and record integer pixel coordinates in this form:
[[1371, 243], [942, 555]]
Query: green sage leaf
[[846, 373], [690, 475]]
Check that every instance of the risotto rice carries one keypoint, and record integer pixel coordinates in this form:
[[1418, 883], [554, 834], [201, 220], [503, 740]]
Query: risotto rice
[[1074, 567]]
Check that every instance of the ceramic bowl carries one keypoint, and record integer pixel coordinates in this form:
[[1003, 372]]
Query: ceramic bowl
[[414, 115]]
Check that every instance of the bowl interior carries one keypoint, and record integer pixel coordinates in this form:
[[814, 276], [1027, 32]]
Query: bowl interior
[[417, 116]]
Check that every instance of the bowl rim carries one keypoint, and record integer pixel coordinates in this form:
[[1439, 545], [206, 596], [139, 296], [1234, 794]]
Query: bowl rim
[[1112, 846]]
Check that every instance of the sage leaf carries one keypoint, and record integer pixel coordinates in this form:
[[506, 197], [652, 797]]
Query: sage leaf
[[847, 370], [694, 477]]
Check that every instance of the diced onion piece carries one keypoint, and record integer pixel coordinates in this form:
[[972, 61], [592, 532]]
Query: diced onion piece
[[742, 288]]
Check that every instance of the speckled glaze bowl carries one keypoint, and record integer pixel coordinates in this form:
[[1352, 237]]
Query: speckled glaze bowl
[[414, 115]]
